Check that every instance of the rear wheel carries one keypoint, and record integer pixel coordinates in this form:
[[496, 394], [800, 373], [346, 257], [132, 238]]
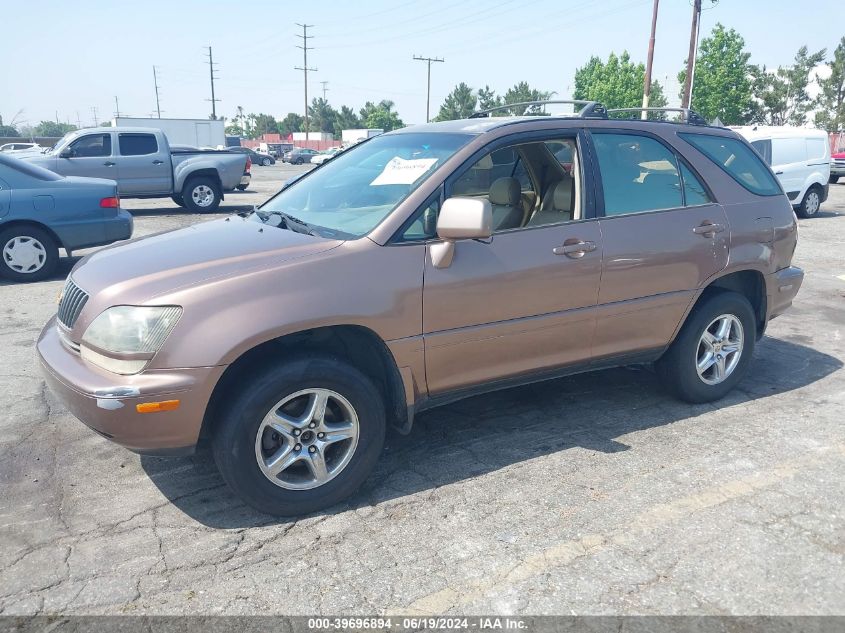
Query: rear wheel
[[201, 194], [27, 253], [713, 351], [300, 436], [265, 162], [811, 203]]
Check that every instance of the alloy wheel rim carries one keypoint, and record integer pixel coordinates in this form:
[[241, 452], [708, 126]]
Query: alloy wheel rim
[[203, 195], [719, 349], [24, 254], [307, 439], [813, 203]]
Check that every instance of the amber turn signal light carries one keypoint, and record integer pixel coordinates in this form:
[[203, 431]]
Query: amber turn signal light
[[155, 407]]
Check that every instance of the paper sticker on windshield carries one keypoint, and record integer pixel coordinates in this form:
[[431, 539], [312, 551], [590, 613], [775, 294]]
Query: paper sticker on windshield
[[399, 171]]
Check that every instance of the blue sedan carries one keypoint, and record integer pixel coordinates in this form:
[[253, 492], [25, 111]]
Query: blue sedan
[[41, 212]]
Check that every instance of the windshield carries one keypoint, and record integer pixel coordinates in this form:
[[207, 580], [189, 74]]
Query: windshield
[[58, 147], [352, 194]]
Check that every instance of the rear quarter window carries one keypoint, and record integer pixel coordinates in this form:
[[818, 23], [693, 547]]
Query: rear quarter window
[[738, 160]]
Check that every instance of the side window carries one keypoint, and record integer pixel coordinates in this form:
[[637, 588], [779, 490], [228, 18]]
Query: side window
[[694, 191], [424, 226], [476, 181], [638, 174], [137, 144], [816, 149], [92, 146], [764, 148], [737, 160], [788, 150]]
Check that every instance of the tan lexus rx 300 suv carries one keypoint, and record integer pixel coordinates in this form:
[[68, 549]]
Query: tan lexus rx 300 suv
[[421, 266]]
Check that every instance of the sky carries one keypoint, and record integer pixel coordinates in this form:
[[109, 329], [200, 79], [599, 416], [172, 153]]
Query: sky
[[70, 59]]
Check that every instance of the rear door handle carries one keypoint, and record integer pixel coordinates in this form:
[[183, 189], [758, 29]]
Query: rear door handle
[[158, 162], [575, 249], [708, 229], [108, 163]]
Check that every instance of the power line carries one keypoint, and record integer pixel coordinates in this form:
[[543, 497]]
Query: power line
[[649, 61], [428, 61], [116, 107], [155, 83], [304, 68], [211, 74], [94, 113]]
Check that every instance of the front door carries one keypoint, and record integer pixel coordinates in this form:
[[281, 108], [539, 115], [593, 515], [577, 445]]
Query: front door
[[663, 237], [523, 302], [90, 155]]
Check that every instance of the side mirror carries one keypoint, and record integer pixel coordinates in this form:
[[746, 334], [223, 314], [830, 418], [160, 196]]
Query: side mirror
[[67, 153], [460, 219]]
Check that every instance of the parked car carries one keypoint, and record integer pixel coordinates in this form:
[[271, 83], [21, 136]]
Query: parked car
[[257, 158], [325, 155], [401, 275], [19, 150], [837, 167], [142, 163], [41, 212], [299, 155], [800, 159]]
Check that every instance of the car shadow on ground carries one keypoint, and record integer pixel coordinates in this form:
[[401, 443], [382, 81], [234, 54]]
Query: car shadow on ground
[[486, 433]]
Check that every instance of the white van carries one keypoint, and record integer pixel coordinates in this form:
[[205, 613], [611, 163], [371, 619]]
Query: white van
[[800, 159]]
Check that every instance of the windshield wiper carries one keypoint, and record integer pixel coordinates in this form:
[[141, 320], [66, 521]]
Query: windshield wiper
[[290, 222]]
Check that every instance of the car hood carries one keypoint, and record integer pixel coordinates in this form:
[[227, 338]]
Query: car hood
[[144, 268]]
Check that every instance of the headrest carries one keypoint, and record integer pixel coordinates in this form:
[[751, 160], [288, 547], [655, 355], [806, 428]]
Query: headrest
[[505, 191], [562, 195]]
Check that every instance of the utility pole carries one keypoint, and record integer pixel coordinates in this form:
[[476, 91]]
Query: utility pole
[[94, 112], [57, 117], [649, 61], [116, 107], [693, 49], [155, 82], [428, 60], [304, 68], [325, 90], [211, 74], [78, 121]]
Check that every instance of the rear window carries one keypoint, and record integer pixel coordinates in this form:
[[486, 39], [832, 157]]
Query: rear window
[[738, 160], [137, 144]]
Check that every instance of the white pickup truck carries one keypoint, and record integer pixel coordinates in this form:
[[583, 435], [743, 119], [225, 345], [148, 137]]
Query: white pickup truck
[[144, 166]]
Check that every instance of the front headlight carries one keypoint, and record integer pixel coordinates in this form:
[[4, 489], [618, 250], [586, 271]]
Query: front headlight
[[123, 339]]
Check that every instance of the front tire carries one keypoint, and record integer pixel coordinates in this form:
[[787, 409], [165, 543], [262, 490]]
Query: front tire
[[178, 200], [27, 253], [300, 436], [201, 194], [811, 203], [713, 350]]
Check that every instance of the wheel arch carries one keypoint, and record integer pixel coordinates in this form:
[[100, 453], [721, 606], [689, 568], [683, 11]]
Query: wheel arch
[[748, 282], [357, 345], [207, 172], [25, 222]]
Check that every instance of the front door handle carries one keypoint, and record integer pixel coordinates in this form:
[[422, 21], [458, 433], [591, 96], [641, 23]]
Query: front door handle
[[778, 173], [708, 229], [158, 162], [575, 248], [108, 163]]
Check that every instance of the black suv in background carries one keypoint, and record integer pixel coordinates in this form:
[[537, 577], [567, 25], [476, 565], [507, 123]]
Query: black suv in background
[[299, 155], [257, 158]]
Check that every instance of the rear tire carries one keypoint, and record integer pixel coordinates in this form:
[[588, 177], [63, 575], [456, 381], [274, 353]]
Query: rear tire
[[679, 367], [265, 162], [27, 253], [245, 446], [201, 194], [811, 203]]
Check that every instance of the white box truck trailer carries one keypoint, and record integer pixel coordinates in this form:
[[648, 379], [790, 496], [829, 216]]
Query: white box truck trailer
[[196, 132]]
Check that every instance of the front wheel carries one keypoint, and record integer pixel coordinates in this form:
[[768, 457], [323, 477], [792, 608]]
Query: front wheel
[[201, 194], [300, 436], [298, 161], [178, 200], [811, 203], [713, 351], [27, 253]]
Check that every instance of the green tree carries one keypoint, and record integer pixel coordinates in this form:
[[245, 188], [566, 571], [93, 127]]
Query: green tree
[[51, 128], [831, 101], [722, 80], [782, 95], [522, 92], [7, 130], [322, 116], [292, 122], [617, 83], [263, 124], [345, 119], [459, 104], [487, 98], [381, 116]]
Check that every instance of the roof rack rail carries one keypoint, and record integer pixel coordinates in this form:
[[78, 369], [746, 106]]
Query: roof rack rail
[[687, 115], [589, 109]]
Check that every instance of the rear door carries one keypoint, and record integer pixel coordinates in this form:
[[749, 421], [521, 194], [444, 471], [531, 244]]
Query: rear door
[[91, 155], [789, 162], [145, 167], [664, 236]]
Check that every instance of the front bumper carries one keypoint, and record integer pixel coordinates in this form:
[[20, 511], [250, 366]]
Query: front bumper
[[106, 402], [781, 288]]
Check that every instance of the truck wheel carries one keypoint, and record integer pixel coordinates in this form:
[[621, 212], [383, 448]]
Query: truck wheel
[[201, 194], [713, 350], [300, 436], [27, 253], [811, 202], [178, 200]]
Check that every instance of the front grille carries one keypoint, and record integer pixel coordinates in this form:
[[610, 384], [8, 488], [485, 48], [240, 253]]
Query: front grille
[[73, 300]]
